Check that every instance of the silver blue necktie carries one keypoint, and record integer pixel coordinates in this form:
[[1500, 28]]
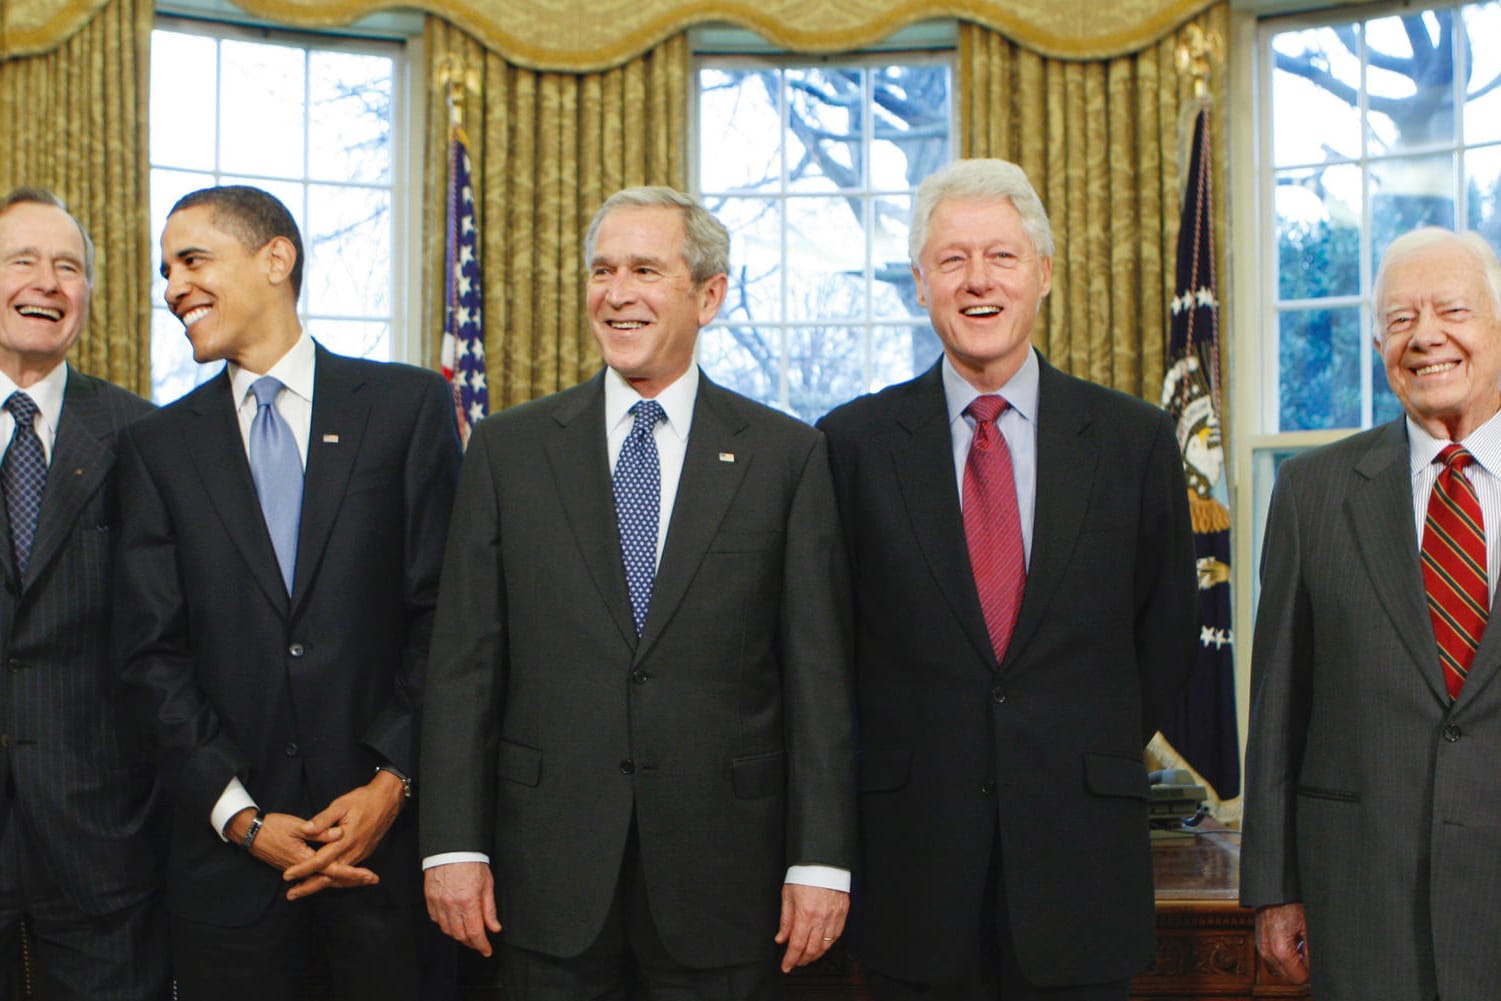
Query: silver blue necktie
[[276, 467]]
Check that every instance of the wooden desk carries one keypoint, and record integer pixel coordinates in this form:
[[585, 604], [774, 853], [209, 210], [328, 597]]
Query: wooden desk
[[1206, 942]]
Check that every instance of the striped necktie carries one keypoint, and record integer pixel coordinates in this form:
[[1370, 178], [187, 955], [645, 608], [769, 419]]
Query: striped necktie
[[1453, 556]]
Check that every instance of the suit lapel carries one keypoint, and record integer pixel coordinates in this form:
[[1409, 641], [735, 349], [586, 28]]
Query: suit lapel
[[341, 412], [1380, 511], [79, 465], [708, 485], [1067, 455], [581, 469], [217, 451], [922, 452]]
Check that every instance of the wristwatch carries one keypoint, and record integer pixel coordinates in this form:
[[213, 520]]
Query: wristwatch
[[406, 782]]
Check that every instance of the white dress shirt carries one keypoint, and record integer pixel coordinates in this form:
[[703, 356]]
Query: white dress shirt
[[295, 405]]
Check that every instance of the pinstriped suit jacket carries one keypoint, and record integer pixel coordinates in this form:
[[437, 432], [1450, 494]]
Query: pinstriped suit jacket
[[1369, 797], [83, 781]]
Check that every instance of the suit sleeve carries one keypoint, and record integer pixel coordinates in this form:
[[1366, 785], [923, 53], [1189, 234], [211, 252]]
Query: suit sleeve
[[1281, 669], [195, 756], [466, 674], [815, 626], [1166, 582], [429, 479]]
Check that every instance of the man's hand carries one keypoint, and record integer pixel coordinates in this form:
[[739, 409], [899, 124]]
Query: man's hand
[[461, 899], [812, 920], [1282, 940], [279, 844], [350, 828]]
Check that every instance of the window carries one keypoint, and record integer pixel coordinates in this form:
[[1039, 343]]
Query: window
[[812, 166], [313, 120], [1365, 128]]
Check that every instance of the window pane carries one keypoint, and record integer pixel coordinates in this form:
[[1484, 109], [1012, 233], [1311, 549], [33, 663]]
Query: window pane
[[737, 115], [1318, 232], [1408, 192], [349, 130], [348, 240], [755, 292], [1483, 180], [357, 338], [1482, 117], [894, 293], [175, 58], [1412, 105], [261, 109], [1384, 403], [1319, 360], [825, 263], [911, 137], [825, 110], [173, 371], [1324, 124], [899, 353]]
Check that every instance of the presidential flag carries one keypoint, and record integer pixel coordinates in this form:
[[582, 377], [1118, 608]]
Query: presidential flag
[[1202, 728], [464, 318]]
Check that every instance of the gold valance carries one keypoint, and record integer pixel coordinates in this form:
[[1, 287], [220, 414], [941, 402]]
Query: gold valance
[[590, 35]]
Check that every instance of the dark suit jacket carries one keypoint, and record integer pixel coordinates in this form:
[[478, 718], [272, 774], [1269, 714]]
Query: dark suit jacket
[[1047, 745], [81, 776], [1369, 797], [301, 698], [726, 729]]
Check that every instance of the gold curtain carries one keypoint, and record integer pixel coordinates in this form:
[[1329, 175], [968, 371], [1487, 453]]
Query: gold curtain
[[75, 122], [1103, 143], [547, 149]]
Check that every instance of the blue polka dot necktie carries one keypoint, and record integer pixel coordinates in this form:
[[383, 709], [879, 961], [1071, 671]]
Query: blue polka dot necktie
[[276, 467], [24, 476], [638, 500]]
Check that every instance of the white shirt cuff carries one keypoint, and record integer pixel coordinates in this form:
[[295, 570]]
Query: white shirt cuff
[[827, 876], [232, 800], [448, 858]]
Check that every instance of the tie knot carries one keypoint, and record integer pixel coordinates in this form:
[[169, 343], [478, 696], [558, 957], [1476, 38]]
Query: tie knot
[[985, 409], [265, 389], [22, 407], [1455, 457], [647, 414]]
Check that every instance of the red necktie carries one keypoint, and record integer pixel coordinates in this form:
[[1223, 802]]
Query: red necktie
[[1453, 557], [992, 524]]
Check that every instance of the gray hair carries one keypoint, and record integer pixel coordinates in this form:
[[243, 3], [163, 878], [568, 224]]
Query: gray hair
[[1426, 237], [41, 196], [980, 180], [706, 242]]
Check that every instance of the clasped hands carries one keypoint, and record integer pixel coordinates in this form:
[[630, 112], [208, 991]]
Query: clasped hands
[[327, 849]]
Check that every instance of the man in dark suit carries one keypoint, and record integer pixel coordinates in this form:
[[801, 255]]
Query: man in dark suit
[[652, 756], [1372, 847], [1025, 610], [281, 534], [77, 856]]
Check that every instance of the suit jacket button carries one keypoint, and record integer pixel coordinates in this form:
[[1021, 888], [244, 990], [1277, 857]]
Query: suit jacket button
[[290, 750], [295, 650], [627, 767], [638, 676], [14, 665], [998, 694], [1452, 733], [987, 789]]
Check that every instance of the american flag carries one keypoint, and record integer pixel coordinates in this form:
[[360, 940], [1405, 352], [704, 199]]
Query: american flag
[[464, 319], [1202, 729]]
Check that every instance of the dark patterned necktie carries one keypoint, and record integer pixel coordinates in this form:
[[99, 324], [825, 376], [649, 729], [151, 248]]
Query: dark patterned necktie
[[1453, 556], [24, 475], [638, 505], [992, 524]]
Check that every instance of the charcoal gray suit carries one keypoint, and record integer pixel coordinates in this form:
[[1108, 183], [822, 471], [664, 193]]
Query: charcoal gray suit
[[76, 780], [1370, 798]]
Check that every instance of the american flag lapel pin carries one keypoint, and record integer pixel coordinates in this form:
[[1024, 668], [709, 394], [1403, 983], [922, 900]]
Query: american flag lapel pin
[[726, 456], [330, 439]]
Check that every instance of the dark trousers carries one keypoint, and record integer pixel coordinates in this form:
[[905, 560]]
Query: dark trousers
[[996, 974], [628, 960], [368, 949], [75, 956]]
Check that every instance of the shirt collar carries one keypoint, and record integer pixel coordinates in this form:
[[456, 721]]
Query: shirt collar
[[1020, 390], [677, 400], [46, 392], [1484, 443], [294, 371]]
